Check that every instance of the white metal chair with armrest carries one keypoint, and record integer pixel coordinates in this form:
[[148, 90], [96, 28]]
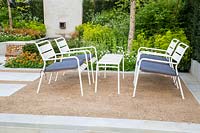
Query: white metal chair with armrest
[[59, 63], [157, 54], [168, 67], [64, 49]]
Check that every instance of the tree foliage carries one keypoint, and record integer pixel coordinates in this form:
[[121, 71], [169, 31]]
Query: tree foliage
[[191, 22], [156, 17]]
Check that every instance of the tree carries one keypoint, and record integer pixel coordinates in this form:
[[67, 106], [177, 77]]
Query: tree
[[132, 24], [9, 15]]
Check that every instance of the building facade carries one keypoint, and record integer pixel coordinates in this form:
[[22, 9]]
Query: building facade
[[62, 16]]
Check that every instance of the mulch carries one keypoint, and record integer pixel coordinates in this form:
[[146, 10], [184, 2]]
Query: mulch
[[156, 99]]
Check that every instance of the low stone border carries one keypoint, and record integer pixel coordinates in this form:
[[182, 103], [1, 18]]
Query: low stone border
[[49, 123]]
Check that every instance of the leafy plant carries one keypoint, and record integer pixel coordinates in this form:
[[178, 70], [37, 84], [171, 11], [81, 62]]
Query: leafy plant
[[25, 60], [11, 37], [102, 36], [32, 48], [157, 17], [34, 34], [190, 18]]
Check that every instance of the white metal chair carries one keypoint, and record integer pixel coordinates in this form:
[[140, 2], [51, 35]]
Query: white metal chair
[[64, 49], [157, 54], [59, 63], [165, 67]]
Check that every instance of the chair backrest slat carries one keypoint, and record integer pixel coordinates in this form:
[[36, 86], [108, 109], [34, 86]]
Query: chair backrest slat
[[172, 46], [180, 49], [62, 44], [176, 57], [46, 50], [48, 55], [179, 52], [64, 49]]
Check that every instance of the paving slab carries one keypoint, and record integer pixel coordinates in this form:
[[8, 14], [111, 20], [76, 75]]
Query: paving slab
[[192, 84], [9, 89], [17, 76], [50, 124]]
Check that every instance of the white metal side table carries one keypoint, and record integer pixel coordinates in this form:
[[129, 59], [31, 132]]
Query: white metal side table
[[110, 61]]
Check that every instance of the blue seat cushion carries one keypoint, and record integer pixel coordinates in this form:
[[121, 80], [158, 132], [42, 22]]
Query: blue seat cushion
[[156, 67], [82, 56], [153, 57], [64, 65]]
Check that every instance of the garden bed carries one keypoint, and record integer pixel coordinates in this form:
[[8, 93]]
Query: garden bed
[[156, 99]]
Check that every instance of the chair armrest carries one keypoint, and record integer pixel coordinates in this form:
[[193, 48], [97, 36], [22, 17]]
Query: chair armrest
[[71, 57], [74, 52], [86, 49], [151, 49], [79, 51], [156, 54], [53, 59], [82, 48]]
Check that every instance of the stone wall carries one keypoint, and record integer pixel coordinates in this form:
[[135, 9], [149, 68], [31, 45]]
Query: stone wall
[[195, 69], [12, 48], [64, 13]]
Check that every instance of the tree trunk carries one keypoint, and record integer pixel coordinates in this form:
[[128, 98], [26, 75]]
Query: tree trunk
[[176, 10], [132, 25], [10, 15]]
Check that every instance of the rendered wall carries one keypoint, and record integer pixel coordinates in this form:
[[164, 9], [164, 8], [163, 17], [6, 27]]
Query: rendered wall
[[195, 69], [56, 11]]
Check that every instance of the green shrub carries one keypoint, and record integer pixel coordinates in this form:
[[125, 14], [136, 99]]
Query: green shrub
[[101, 36], [31, 48], [157, 17], [91, 7], [3, 15], [129, 61], [191, 22], [34, 25], [162, 42], [118, 21], [25, 60], [10, 37]]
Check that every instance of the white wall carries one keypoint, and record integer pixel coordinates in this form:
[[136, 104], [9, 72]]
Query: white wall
[[195, 69], [55, 11]]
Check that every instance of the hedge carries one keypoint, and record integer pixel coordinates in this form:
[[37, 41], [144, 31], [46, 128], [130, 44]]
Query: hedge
[[192, 25]]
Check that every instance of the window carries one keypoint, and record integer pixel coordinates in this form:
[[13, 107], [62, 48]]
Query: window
[[62, 25]]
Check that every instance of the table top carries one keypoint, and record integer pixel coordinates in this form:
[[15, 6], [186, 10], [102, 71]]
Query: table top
[[114, 59]]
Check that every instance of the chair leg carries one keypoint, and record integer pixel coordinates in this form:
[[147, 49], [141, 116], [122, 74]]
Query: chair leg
[[135, 73], [135, 82], [92, 72], [105, 71], [181, 90], [118, 82], [56, 76], [176, 82], [63, 73], [88, 73], [80, 79], [41, 76], [136, 68], [96, 78], [50, 79]]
